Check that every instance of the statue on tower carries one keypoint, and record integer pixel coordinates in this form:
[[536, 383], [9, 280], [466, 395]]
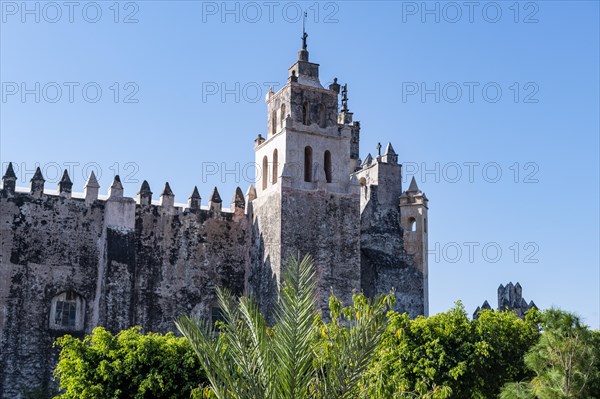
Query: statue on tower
[[304, 34]]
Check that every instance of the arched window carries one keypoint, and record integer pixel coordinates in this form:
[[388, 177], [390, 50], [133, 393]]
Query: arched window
[[282, 116], [67, 311], [274, 177], [305, 113], [412, 224], [322, 116], [265, 172], [327, 165], [308, 163], [274, 122], [425, 225]]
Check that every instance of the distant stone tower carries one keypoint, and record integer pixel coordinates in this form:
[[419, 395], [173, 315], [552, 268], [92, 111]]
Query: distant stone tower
[[509, 298], [305, 200]]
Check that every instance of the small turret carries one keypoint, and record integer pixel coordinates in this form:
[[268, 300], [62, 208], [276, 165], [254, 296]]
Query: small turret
[[9, 180], [368, 161], [414, 207], [215, 203], [37, 183], [413, 187], [116, 189], [167, 198], [390, 155], [91, 189], [194, 200], [65, 186], [145, 194]]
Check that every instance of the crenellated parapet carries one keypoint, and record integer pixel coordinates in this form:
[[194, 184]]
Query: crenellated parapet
[[119, 206]]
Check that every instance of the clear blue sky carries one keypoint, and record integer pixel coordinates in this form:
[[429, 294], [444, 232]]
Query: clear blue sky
[[541, 132]]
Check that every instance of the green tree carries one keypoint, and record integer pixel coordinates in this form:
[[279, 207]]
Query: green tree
[[298, 357], [129, 365], [449, 356], [565, 361]]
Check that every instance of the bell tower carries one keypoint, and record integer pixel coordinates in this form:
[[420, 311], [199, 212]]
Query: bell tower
[[306, 201], [413, 208]]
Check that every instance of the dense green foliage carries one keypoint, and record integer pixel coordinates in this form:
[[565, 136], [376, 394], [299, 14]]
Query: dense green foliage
[[447, 355], [565, 362], [129, 365], [365, 351]]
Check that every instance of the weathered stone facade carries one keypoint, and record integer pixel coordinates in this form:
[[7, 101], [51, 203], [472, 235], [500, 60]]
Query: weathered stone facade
[[70, 262]]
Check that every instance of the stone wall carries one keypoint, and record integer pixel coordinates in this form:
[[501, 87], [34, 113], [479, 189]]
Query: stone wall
[[327, 227], [168, 265], [385, 263]]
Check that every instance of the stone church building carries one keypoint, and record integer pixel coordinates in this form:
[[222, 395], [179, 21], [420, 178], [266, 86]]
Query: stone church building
[[70, 262]]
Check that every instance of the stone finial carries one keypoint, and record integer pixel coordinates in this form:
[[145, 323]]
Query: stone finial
[[116, 189], [145, 194], [9, 180], [65, 185], [167, 198], [368, 161], [390, 155], [335, 86], [259, 140], [486, 305], [91, 189], [238, 201], [250, 194], [194, 200], [413, 188], [215, 203], [270, 93], [37, 183], [532, 305]]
